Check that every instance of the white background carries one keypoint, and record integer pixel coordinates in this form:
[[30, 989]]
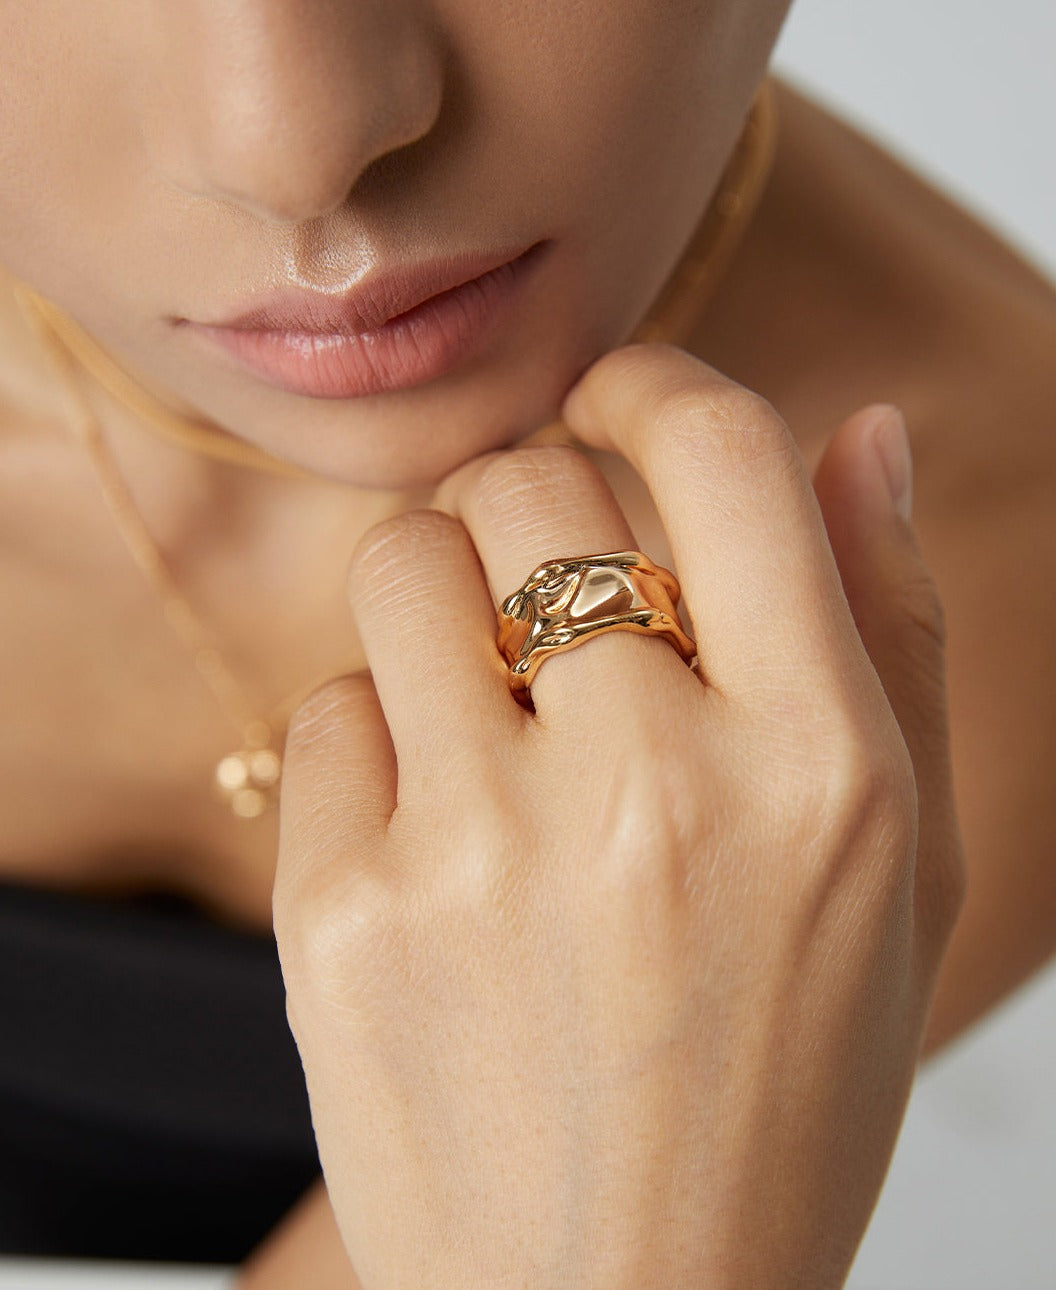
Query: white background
[[966, 90]]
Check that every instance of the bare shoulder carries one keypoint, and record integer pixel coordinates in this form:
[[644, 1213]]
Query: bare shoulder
[[986, 520], [978, 384], [859, 282]]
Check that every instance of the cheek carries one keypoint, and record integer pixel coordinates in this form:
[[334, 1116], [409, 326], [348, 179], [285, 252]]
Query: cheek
[[595, 90], [611, 124], [64, 144]]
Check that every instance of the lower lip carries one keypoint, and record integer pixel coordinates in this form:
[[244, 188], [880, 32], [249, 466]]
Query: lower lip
[[418, 346]]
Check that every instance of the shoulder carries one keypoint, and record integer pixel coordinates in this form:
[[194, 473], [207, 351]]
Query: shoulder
[[826, 167], [985, 515], [902, 296], [859, 281], [881, 288]]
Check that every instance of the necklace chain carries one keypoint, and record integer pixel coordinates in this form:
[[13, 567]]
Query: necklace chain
[[248, 778]]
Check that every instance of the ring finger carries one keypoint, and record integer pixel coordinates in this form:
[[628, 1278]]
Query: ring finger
[[533, 505]]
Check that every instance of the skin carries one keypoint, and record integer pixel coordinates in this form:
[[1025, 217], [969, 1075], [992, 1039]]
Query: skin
[[227, 166], [185, 202], [446, 995]]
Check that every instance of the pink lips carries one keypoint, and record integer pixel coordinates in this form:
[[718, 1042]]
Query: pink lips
[[393, 331]]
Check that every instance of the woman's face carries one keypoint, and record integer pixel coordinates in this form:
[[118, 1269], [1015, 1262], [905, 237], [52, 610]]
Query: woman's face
[[166, 164]]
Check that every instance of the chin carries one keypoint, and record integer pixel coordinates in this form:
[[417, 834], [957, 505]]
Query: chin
[[415, 446], [421, 461]]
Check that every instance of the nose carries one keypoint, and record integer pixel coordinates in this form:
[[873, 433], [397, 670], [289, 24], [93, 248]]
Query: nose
[[280, 105]]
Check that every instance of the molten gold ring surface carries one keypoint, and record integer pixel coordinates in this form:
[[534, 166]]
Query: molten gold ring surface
[[565, 602]]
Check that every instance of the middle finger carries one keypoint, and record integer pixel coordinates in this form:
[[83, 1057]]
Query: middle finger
[[532, 505], [745, 528]]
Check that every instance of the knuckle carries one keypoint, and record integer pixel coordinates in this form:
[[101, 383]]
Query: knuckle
[[647, 834], [640, 368], [871, 773], [942, 889], [853, 790], [923, 607], [387, 548], [881, 795], [330, 925], [522, 477], [720, 418], [693, 408], [334, 702], [635, 367]]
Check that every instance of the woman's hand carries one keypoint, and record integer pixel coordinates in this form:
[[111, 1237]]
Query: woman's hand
[[628, 992]]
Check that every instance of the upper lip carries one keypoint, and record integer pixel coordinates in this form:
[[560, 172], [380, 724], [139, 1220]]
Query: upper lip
[[383, 295]]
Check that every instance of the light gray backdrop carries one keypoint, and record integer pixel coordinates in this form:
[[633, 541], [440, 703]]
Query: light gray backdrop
[[967, 91]]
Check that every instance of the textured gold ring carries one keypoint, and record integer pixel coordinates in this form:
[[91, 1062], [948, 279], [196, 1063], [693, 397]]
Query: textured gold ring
[[565, 602]]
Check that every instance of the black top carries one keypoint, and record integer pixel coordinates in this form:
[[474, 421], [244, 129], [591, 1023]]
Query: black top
[[152, 1103]]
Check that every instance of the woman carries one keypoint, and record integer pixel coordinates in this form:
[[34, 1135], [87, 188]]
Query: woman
[[768, 849]]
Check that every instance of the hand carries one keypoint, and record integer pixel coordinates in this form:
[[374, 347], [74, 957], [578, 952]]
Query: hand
[[628, 992]]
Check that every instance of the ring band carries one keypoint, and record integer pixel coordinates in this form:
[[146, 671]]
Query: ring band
[[565, 602]]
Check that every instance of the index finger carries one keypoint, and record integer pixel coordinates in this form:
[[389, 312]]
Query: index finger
[[731, 487]]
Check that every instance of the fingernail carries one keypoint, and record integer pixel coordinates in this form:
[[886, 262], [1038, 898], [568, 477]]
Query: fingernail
[[892, 445]]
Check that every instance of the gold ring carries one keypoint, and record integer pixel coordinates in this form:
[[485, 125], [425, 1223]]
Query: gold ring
[[565, 602]]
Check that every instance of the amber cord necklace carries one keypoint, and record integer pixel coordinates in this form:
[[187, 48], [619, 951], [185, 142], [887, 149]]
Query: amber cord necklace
[[248, 778]]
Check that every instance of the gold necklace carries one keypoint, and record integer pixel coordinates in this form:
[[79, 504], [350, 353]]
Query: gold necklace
[[248, 778]]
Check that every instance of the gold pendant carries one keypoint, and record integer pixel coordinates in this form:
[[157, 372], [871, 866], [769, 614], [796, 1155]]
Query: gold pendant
[[248, 781]]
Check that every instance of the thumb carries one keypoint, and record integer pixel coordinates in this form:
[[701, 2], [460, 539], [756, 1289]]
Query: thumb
[[864, 488]]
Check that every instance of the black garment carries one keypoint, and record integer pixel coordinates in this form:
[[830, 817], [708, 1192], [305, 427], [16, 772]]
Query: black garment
[[152, 1103]]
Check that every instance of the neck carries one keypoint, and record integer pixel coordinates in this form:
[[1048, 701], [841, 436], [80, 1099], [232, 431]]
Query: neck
[[199, 505], [261, 557]]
